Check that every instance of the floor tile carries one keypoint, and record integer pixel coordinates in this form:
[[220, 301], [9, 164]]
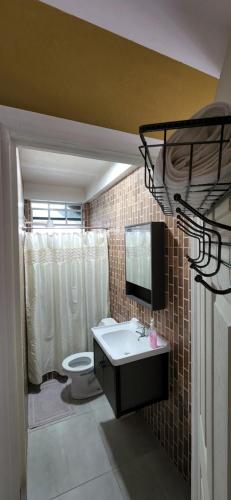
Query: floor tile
[[103, 488], [80, 406], [73, 458], [64, 455], [44, 465], [126, 438], [99, 402], [152, 477]]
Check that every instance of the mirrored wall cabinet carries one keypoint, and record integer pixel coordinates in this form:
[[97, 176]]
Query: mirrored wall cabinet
[[144, 264]]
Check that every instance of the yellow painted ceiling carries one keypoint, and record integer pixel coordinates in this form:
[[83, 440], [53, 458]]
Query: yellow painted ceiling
[[59, 65]]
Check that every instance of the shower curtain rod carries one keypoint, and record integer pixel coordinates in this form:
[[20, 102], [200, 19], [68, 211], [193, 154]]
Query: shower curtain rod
[[31, 226]]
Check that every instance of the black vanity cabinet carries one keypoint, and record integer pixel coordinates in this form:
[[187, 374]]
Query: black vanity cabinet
[[134, 384]]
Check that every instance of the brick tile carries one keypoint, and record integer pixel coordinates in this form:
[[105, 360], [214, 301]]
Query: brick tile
[[129, 202]]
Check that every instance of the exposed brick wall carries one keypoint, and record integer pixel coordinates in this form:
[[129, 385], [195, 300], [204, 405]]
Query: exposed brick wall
[[129, 202]]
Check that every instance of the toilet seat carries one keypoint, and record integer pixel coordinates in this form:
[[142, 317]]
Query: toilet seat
[[79, 367], [81, 362]]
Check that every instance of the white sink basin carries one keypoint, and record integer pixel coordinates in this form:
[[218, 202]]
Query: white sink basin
[[122, 344]]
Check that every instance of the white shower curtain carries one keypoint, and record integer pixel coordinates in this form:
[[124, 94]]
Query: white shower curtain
[[66, 294]]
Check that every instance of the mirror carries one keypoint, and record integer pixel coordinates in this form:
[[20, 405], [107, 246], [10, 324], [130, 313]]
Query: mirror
[[138, 255], [144, 263]]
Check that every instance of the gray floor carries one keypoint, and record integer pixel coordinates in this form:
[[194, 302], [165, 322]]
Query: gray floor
[[93, 456]]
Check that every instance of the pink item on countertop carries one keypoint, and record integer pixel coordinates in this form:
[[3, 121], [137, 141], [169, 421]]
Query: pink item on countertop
[[153, 339], [152, 335]]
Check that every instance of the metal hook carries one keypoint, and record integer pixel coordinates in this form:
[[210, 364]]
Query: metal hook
[[194, 266], [189, 228], [196, 226], [177, 197], [202, 232], [194, 236], [199, 279], [202, 253]]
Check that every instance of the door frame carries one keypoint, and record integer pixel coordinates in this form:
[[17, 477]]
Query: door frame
[[13, 443], [20, 127], [221, 213], [39, 131]]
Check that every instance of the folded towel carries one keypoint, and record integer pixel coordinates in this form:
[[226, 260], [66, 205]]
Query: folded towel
[[205, 157]]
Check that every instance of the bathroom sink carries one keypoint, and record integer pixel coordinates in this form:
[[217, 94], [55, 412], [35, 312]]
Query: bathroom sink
[[122, 344]]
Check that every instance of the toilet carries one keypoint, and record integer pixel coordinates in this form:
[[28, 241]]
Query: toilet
[[79, 368]]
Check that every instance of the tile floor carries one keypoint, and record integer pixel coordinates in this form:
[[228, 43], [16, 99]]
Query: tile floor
[[93, 456]]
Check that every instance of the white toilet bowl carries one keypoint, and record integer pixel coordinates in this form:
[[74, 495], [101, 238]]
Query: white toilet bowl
[[80, 368]]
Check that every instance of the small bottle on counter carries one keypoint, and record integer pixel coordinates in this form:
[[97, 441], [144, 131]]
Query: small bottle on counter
[[152, 335]]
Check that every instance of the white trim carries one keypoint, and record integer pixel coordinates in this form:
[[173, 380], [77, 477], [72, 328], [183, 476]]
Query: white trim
[[12, 470], [50, 133], [58, 134], [195, 473]]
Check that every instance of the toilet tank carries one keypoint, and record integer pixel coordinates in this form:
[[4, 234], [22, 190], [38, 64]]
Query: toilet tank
[[107, 322]]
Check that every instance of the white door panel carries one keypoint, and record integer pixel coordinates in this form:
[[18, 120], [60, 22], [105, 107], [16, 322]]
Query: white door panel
[[222, 362], [211, 380]]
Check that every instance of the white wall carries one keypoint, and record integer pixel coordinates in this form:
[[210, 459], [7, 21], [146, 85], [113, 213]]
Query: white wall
[[48, 192], [114, 175]]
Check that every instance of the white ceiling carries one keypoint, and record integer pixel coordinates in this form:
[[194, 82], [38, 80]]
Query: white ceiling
[[56, 176], [195, 32], [46, 167]]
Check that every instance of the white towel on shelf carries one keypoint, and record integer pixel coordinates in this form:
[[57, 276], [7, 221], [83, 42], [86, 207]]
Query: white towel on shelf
[[205, 156]]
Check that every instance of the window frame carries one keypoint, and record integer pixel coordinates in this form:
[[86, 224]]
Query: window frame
[[49, 221]]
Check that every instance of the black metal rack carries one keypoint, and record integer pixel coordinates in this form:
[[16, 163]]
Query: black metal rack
[[207, 232]]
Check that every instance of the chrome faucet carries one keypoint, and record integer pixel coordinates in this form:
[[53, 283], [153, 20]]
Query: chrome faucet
[[142, 332]]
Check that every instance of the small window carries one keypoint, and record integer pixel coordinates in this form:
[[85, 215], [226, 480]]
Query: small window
[[55, 214]]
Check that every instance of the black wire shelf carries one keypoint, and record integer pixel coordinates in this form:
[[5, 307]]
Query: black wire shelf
[[187, 207]]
